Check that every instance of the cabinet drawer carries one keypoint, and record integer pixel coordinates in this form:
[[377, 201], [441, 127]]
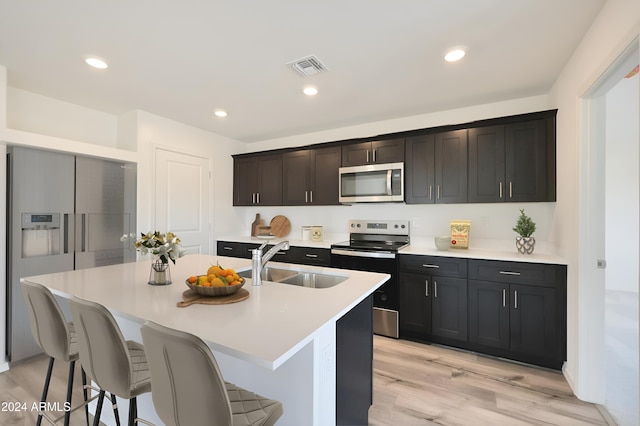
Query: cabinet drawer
[[235, 249], [311, 256], [539, 274], [434, 265]]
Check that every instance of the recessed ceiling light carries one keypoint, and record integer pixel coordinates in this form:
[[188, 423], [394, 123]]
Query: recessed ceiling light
[[96, 63], [220, 113], [310, 91], [454, 55]]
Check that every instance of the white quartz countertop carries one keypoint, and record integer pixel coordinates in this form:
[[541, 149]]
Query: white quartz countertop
[[428, 248], [274, 323], [425, 246]]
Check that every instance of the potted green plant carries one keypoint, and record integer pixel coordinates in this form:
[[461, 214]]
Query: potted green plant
[[525, 227]]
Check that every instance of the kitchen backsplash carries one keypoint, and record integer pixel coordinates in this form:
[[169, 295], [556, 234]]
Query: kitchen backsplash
[[489, 222]]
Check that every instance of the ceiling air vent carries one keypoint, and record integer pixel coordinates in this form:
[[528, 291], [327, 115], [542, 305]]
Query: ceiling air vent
[[307, 66]]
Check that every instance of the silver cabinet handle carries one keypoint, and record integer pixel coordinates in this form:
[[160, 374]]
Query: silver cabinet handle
[[509, 273], [510, 189], [227, 248], [431, 192], [258, 197], [311, 196], [431, 266], [438, 187], [501, 190], [367, 156], [311, 255], [435, 289], [426, 288], [515, 298], [306, 196], [504, 297]]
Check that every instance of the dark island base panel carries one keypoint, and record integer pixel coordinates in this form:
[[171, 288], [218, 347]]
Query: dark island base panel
[[354, 365], [554, 364]]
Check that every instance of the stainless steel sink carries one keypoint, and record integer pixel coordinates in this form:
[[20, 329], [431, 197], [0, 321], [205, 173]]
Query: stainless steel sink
[[313, 280], [299, 278], [270, 274]]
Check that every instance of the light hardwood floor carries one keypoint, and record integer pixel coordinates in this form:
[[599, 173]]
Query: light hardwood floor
[[414, 384], [417, 384]]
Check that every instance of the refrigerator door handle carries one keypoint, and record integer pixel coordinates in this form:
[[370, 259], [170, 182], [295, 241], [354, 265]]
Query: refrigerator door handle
[[81, 232], [65, 235]]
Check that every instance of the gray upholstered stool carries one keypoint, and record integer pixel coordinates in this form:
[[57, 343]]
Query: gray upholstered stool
[[188, 388], [56, 337], [116, 365]]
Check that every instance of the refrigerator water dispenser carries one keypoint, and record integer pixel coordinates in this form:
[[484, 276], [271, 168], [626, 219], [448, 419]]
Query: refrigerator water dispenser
[[40, 234]]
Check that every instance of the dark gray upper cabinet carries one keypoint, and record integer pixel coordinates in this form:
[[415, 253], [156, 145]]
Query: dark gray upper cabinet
[[488, 161], [420, 172], [512, 162], [486, 164], [436, 168], [451, 167], [257, 180], [311, 176], [375, 152]]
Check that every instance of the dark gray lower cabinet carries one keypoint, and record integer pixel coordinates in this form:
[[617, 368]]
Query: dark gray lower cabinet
[[298, 255], [449, 308], [235, 249], [520, 313], [515, 310], [354, 365], [433, 298]]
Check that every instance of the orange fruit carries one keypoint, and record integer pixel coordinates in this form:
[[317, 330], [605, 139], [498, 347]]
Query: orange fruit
[[217, 282], [192, 279], [205, 284], [214, 270], [202, 279]]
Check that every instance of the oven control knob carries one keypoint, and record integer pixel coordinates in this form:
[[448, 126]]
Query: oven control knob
[[402, 226]]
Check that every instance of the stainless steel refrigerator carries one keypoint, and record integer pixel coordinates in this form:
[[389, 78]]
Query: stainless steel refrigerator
[[64, 212]]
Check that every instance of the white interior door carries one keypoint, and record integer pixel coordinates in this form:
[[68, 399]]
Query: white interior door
[[182, 203]]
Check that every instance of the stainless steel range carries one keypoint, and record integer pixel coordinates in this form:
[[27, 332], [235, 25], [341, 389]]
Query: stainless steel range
[[373, 246]]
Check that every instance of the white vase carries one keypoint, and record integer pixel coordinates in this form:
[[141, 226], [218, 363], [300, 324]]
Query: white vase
[[525, 245]]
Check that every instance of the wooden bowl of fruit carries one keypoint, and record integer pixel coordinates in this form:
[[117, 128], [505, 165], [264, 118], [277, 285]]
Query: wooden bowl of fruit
[[218, 281]]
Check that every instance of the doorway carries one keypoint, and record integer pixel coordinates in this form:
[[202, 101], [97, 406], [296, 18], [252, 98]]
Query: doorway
[[182, 203], [610, 162]]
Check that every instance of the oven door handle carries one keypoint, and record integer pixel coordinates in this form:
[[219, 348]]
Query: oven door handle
[[355, 253]]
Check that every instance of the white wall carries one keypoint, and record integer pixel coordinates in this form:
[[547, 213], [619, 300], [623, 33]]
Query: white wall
[[35, 113], [613, 30]]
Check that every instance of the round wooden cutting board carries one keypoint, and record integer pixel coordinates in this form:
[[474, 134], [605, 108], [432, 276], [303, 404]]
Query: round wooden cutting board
[[280, 226]]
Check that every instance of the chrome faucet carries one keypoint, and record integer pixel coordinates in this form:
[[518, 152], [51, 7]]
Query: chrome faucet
[[258, 260]]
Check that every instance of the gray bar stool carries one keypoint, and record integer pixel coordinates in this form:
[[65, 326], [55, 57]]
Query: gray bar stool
[[56, 337], [188, 388], [118, 366]]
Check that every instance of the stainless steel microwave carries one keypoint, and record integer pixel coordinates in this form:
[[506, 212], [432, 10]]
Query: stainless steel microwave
[[375, 183]]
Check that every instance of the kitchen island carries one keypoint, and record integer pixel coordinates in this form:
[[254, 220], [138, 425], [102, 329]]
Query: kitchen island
[[280, 342]]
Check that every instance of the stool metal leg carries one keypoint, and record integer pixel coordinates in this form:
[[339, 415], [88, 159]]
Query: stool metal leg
[[96, 418], [133, 411], [114, 404], [85, 394], [45, 390], [67, 414]]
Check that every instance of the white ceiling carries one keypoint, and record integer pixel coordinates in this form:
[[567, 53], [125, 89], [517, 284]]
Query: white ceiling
[[184, 59]]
